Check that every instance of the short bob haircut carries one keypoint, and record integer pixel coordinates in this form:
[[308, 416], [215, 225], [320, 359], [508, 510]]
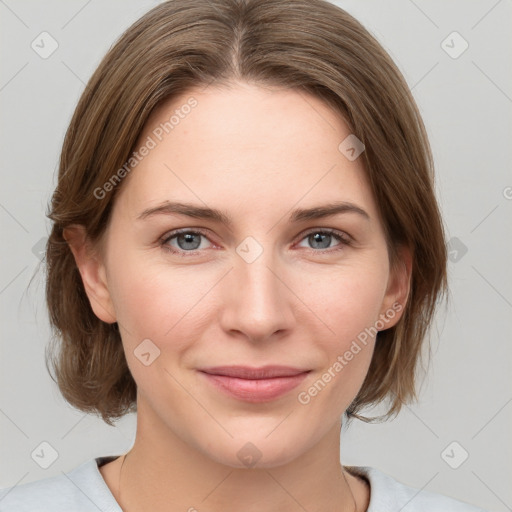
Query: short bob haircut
[[311, 46]]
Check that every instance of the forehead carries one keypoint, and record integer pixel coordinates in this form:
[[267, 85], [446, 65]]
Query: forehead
[[245, 146]]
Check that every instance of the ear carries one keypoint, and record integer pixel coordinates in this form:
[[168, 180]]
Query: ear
[[92, 271], [399, 285]]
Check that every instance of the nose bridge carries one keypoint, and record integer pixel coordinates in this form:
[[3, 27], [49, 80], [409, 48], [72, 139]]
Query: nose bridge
[[260, 302]]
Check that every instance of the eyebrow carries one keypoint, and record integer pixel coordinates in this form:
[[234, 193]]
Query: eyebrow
[[297, 215]]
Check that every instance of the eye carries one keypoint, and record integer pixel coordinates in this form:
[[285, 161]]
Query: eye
[[184, 240], [189, 241], [322, 238]]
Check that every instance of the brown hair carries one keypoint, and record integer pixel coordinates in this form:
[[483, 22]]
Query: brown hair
[[306, 45]]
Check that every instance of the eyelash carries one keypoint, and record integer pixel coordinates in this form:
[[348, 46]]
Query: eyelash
[[344, 239]]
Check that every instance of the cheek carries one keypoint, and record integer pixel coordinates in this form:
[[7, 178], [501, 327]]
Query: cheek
[[330, 390], [157, 300], [350, 304], [349, 300], [173, 306], [170, 306], [154, 304]]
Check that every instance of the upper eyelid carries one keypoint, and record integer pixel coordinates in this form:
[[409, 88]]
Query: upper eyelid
[[345, 237], [179, 231]]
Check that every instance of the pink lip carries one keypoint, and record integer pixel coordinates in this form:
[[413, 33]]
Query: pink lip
[[255, 384]]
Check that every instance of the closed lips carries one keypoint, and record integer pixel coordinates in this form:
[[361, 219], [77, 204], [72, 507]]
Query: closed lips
[[244, 372]]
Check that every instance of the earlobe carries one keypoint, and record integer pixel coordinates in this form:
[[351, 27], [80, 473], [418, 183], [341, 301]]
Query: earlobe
[[399, 286], [92, 271]]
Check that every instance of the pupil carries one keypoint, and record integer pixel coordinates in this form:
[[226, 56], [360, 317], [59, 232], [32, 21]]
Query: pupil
[[188, 239], [319, 237]]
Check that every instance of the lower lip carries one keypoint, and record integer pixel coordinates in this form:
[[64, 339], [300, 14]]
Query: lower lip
[[257, 390]]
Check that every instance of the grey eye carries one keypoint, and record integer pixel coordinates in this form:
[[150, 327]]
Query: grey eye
[[320, 240], [188, 241]]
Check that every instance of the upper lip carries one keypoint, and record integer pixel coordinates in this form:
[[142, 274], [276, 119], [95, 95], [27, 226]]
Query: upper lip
[[248, 372]]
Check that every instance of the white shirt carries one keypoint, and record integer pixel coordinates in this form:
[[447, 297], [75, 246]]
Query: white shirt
[[83, 489]]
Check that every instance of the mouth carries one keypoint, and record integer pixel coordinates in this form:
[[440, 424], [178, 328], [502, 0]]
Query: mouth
[[254, 384]]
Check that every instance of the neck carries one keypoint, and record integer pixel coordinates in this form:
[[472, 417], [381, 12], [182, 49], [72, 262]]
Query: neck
[[163, 473]]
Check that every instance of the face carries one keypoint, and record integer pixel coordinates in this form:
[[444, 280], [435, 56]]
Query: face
[[219, 253]]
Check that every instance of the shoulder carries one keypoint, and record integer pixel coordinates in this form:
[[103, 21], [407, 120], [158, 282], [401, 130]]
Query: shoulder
[[388, 494], [80, 490]]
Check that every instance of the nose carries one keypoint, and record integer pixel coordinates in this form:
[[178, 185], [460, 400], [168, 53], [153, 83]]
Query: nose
[[257, 302]]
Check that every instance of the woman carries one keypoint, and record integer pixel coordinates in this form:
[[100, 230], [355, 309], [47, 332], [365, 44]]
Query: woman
[[246, 247]]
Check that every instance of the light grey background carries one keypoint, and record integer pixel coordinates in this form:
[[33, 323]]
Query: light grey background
[[466, 103]]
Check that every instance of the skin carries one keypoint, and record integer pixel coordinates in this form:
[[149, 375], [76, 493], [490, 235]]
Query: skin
[[256, 153]]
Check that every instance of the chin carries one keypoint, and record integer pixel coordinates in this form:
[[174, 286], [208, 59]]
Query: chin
[[256, 450]]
